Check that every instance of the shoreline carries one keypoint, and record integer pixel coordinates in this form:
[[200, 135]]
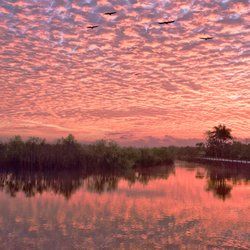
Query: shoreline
[[222, 161]]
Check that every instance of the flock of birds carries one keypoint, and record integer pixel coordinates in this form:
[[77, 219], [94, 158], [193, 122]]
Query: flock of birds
[[160, 23]]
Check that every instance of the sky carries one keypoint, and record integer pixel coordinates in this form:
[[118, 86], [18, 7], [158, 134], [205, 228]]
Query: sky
[[130, 79]]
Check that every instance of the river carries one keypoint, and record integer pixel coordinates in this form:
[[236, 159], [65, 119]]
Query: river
[[184, 206]]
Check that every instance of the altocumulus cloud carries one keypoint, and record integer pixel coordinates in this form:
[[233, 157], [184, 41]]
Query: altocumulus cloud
[[130, 75]]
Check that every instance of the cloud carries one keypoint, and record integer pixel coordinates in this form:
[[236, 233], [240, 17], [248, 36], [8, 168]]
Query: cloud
[[128, 75]]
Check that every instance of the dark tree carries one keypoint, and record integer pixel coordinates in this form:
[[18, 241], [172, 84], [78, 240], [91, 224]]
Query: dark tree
[[218, 140]]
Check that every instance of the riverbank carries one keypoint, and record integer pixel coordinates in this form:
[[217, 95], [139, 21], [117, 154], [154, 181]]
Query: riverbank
[[229, 162]]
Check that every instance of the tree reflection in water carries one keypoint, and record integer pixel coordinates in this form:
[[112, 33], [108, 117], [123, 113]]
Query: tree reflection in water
[[65, 183], [221, 179], [220, 188], [218, 179]]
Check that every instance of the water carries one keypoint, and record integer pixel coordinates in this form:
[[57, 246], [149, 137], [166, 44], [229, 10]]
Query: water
[[186, 206]]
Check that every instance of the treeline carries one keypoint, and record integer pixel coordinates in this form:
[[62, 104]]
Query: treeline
[[219, 143], [235, 150], [67, 153], [35, 153]]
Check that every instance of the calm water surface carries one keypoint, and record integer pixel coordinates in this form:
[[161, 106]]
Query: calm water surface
[[186, 206]]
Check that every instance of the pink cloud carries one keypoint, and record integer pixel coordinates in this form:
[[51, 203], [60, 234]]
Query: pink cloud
[[128, 75]]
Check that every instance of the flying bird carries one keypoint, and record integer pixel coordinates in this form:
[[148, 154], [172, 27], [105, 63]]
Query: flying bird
[[92, 27], [166, 22], [110, 13], [206, 38]]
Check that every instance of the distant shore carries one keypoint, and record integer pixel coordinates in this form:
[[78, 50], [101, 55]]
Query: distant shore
[[67, 153]]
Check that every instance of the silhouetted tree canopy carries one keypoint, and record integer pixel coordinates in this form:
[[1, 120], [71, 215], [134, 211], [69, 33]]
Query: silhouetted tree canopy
[[67, 153], [218, 139]]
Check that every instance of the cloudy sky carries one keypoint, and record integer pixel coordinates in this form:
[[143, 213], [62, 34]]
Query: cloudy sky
[[130, 79]]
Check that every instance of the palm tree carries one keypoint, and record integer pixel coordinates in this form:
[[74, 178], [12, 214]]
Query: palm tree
[[218, 138], [222, 133]]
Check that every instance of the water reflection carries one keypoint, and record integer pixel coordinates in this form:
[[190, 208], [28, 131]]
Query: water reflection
[[183, 206], [220, 180], [32, 183]]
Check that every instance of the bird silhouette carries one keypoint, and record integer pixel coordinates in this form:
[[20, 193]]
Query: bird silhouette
[[206, 38], [110, 13], [92, 27], [166, 22]]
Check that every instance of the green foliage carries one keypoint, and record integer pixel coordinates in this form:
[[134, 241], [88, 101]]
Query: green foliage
[[67, 153], [238, 150], [187, 153], [153, 156], [220, 143]]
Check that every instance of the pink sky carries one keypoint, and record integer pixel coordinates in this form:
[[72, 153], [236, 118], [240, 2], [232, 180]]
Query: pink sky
[[130, 80]]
